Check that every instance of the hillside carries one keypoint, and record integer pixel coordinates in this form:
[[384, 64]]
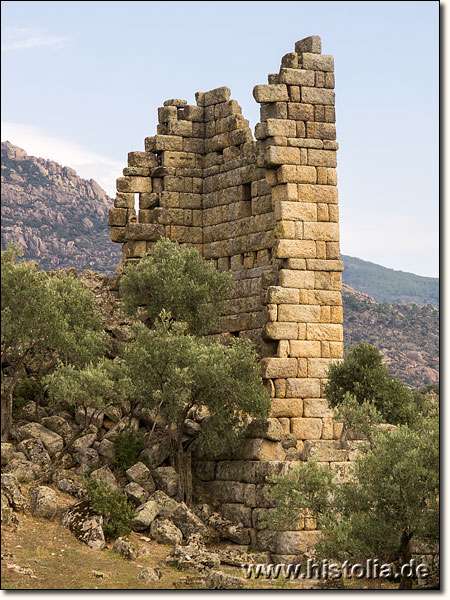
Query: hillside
[[407, 335], [389, 285], [59, 219]]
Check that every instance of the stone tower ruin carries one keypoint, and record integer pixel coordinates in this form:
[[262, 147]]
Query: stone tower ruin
[[267, 211]]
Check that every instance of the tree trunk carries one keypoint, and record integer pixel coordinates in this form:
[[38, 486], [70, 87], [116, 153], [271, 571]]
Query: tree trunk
[[405, 557], [7, 405], [181, 468]]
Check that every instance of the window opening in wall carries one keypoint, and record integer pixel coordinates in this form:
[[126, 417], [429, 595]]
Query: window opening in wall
[[136, 203], [247, 191]]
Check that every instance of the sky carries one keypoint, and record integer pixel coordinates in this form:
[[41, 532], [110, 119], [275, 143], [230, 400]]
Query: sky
[[82, 82]]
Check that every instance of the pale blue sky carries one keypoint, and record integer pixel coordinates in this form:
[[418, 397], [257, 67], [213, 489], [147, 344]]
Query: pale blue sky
[[82, 82]]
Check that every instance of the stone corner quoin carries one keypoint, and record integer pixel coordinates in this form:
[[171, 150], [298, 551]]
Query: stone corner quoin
[[265, 209]]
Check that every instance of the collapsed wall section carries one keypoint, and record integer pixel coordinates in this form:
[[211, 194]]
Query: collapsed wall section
[[266, 210]]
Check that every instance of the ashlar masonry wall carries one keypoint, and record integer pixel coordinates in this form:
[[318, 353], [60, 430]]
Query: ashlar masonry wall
[[267, 211]]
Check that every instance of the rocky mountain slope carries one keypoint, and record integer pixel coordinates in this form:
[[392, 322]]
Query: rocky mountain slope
[[59, 219], [407, 335]]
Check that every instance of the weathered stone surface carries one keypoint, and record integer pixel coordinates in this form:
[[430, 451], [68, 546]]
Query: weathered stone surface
[[270, 93], [58, 425], [192, 557], [141, 475], [44, 502], [90, 416], [217, 580], [106, 448], [187, 521], [135, 493], [149, 574], [10, 487], [52, 441], [145, 514], [85, 524], [24, 470], [126, 548], [8, 451], [105, 475], [166, 479], [35, 451], [268, 430], [261, 449], [164, 531]]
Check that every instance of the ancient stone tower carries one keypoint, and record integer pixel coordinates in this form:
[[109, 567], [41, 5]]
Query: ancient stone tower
[[266, 210]]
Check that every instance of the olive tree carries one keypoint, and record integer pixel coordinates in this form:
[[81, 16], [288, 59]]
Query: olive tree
[[46, 319]]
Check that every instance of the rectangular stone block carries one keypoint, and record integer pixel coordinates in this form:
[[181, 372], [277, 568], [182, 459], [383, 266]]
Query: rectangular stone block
[[296, 174], [327, 232], [221, 94], [323, 131], [134, 184], [297, 76], [300, 111], [280, 331], [274, 368], [314, 264], [282, 295], [271, 93], [118, 234], [318, 193], [236, 470], [306, 428], [305, 348], [260, 449], [286, 407], [182, 127], [324, 451], [311, 43], [117, 217], [328, 281], [142, 159], [312, 95], [322, 158], [317, 62], [298, 313], [296, 211], [336, 348], [295, 249], [326, 331], [297, 279], [204, 469], [303, 388], [278, 155], [168, 142], [316, 407], [144, 231]]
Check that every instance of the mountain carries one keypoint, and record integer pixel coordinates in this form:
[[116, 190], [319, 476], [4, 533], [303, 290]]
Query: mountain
[[59, 219], [389, 285], [407, 335]]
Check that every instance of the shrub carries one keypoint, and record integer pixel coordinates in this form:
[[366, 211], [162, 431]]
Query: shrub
[[127, 447], [117, 513], [25, 391]]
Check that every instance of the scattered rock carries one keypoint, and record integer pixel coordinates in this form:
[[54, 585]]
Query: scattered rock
[[87, 458], [187, 521], [269, 430], [52, 441], [136, 494], [149, 574], [192, 557], [84, 442], [156, 454], [107, 476], [99, 574], [217, 580], [126, 548], [166, 479], [228, 530], [72, 487], [7, 453], [85, 524], [145, 514], [166, 504], [24, 470], [113, 413], [35, 451], [8, 516], [91, 416], [21, 570], [58, 425], [13, 492], [106, 448], [44, 502], [164, 531], [141, 475]]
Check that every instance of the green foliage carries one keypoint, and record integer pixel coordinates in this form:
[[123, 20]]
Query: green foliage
[[173, 372], [306, 490], [45, 319], [128, 444], [388, 285], [390, 500], [25, 391], [358, 419], [95, 386], [117, 513], [178, 280], [363, 375]]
